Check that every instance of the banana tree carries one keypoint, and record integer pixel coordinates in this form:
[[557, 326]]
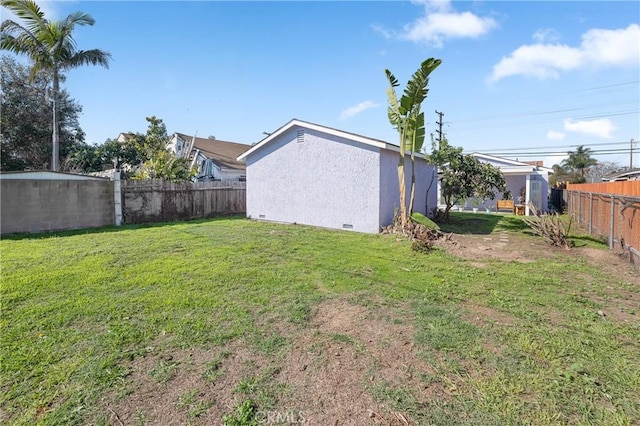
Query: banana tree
[[405, 116]]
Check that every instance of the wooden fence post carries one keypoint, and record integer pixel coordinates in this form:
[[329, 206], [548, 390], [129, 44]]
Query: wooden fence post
[[590, 213], [611, 227]]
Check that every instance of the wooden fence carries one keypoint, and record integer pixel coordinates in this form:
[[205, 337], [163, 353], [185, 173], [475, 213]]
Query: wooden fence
[[155, 200], [629, 187], [612, 216]]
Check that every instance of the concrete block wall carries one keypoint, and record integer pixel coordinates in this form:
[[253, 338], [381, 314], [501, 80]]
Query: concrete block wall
[[51, 205]]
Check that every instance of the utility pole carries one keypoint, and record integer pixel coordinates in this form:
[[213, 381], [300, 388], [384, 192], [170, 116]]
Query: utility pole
[[439, 123], [631, 155]]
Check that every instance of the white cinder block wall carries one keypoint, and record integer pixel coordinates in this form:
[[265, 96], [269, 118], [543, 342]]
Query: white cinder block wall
[[320, 180]]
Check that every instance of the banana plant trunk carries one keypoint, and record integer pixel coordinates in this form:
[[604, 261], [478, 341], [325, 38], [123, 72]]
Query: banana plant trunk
[[55, 137], [413, 183], [403, 190]]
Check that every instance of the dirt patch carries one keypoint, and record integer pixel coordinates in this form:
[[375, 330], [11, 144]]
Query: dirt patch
[[329, 374], [613, 262], [178, 387], [348, 351], [478, 248]]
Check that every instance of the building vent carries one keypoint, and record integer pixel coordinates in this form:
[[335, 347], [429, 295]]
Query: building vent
[[347, 226], [260, 216], [300, 137]]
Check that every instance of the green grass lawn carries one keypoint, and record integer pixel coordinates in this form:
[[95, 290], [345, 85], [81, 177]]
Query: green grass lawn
[[79, 307]]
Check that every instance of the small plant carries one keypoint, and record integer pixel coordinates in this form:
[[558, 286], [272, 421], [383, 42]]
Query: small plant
[[245, 415], [163, 372], [187, 398], [425, 221], [213, 371], [421, 235], [550, 227]]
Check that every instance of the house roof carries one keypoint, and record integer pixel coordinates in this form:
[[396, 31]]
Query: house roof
[[223, 153], [320, 128], [625, 175], [513, 166]]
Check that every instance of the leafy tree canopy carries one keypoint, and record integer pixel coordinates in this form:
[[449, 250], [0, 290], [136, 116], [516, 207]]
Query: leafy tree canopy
[[51, 47], [25, 141], [580, 160], [150, 152], [463, 176]]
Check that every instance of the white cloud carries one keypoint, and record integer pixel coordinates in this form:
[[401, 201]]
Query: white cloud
[[602, 127], [439, 23], [382, 31], [546, 35], [357, 109], [599, 49], [435, 28], [552, 135]]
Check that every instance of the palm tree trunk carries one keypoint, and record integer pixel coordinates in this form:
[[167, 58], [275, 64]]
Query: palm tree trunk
[[55, 138]]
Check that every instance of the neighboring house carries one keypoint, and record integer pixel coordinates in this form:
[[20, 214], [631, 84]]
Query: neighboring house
[[123, 137], [315, 175], [633, 174], [526, 181], [214, 159]]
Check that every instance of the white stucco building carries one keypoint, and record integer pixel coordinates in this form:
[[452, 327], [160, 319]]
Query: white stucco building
[[315, 175]]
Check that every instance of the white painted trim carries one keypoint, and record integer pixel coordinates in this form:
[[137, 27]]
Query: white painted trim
[[501, 160], [47, 175], [328, 130], [527, 195]]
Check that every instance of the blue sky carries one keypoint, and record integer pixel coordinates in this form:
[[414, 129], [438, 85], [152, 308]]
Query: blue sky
[[525, 80]]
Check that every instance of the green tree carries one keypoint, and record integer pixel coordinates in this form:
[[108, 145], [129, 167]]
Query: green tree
[[142, 147], [580, 160], [405, 116], [165, 165], [463, 176], [150, 153], [561, 174], [25, 118], [50, 46]]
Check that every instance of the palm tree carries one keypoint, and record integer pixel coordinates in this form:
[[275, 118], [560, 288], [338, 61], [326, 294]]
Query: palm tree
[[50, 46], [580, 160], [406, 118]]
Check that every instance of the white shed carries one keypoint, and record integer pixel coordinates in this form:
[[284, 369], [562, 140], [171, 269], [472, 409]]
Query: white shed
[[316, 175]]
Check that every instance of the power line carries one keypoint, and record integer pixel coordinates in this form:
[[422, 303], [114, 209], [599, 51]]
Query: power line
[[555, 146], [522, 123], [533, 154], [501, 116], [604, 87]]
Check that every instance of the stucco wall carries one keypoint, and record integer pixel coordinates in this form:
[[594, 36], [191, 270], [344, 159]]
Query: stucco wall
[[47, 205], [324, 181], [389, 191]]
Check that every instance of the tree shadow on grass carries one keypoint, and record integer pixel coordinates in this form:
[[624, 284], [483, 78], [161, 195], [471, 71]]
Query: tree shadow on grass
[[481, 223], [588, 241], [105, 229]]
